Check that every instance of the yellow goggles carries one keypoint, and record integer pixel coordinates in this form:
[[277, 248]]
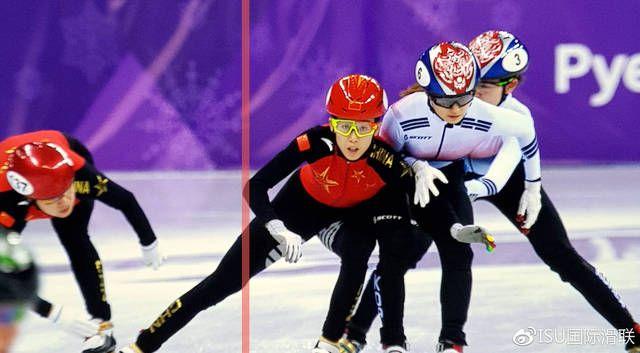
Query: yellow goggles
[[360, 128]]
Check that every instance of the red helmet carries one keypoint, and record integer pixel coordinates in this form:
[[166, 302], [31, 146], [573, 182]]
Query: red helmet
[[357, 97], [40, 170]]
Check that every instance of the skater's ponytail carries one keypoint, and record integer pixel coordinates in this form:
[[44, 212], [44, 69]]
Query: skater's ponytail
[[411, 89]]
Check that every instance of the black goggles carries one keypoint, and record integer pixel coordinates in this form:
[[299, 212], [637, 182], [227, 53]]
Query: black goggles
[[449, 101]]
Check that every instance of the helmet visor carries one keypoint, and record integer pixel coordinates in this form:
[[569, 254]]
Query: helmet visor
[[449, 101]]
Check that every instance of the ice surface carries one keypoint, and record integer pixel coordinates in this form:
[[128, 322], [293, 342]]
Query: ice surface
[[197, 217]]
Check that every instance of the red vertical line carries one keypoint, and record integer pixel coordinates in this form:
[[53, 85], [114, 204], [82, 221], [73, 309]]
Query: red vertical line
[[246, 309]]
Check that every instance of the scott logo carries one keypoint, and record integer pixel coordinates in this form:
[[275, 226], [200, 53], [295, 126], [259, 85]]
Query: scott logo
[[574, 60], [385, 217], [420, 137]]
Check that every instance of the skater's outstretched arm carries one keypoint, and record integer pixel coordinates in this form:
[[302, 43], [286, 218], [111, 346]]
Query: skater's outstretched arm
[[93, 184], [116, 196], [499, 172], [12, 213], [307, 147]]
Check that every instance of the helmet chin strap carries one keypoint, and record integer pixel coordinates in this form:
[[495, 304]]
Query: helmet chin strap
[[504, 95], [504, 88]]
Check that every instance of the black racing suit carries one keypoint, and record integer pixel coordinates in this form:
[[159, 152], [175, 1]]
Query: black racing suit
[[367, 196], [90, 184], [451, 206], [549, 239]]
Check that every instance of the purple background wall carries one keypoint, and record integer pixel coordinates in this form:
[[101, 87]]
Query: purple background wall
[[156, 84]]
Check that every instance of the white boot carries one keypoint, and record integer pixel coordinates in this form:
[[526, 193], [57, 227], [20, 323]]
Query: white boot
[[132, 348], [325, 346], [103, 341], [395, 349], [350, 346], [448, 347]]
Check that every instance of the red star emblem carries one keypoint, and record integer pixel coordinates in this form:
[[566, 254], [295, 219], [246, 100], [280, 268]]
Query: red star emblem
[[322, 179], [358, 175]]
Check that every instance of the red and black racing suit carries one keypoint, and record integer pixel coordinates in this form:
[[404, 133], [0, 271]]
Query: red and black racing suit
[[368, 196], [90, 184]]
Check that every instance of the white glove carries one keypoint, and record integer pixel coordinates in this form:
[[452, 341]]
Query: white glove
[[292, 242], [425, 176], [473, 234], [530, 205], [73, 323], [152, 256], [475, 189]]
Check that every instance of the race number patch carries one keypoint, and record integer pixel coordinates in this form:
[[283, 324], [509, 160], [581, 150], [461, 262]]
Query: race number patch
[[19, 183]]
